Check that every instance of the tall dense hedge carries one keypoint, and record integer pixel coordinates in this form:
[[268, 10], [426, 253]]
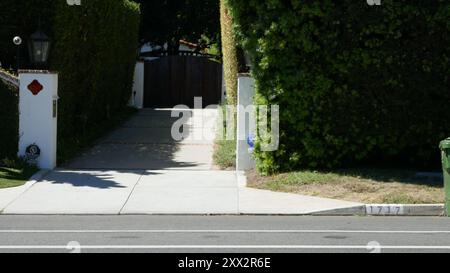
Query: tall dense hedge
[[355, 83], [9, 121], [95, 52]]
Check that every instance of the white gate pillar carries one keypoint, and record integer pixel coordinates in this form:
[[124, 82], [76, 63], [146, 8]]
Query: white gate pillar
[[246, 123], [38, 118], [137, 98]]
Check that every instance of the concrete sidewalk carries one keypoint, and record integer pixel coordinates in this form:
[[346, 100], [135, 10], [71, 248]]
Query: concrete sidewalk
[[140, 169], [157, 192]]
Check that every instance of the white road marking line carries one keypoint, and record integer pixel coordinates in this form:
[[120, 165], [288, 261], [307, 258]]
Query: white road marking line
[[235, 231], [365, 247]]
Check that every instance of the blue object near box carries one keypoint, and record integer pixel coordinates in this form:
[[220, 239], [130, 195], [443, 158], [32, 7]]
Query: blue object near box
[[251, 143]]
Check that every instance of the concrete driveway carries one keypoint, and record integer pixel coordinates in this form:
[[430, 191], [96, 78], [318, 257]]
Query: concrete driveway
[[145, 142], [141, 169]]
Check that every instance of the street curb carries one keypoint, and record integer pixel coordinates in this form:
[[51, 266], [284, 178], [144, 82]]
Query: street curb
[[36, 178], [387, 210], [405, 210], [352, 211]]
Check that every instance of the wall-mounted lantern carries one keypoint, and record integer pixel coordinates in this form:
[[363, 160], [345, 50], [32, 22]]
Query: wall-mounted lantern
[[39, 48]]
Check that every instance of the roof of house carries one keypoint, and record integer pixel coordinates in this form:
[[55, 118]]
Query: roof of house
[[8, 78], [189, 44]]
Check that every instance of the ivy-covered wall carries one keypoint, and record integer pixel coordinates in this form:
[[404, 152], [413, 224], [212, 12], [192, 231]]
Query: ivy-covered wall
[[356, 84]]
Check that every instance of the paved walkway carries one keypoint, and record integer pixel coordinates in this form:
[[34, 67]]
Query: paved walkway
[[145, 142], [141, 169]]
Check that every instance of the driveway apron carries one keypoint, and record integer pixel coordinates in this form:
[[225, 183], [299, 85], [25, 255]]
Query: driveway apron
[[140, 168]]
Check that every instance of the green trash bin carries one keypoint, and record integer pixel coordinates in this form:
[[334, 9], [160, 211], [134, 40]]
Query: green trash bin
[[445, 148]]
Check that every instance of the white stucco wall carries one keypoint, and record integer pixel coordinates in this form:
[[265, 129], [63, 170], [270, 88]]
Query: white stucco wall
[[137, 96], [224, 87], [37, 122], [246, 123]]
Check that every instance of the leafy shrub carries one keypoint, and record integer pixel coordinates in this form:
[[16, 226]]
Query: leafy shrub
[[356, 84], [225, 154], [9, 121]]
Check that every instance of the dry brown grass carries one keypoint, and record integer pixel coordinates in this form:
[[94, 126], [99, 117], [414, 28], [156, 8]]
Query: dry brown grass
[[365, 186]]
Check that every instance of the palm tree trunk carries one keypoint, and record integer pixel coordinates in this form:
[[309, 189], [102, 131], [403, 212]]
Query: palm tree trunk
[[230, 61]]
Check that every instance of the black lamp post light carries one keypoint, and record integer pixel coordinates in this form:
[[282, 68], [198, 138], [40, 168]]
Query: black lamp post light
[[39, 48]]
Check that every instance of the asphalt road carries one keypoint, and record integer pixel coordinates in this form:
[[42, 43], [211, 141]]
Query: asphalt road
[[223, 234]]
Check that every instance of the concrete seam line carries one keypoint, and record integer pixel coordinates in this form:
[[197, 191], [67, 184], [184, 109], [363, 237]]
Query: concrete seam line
[[131, 192], [38, 176]]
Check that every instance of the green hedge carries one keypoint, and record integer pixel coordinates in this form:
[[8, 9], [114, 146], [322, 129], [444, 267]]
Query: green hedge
[[356, 84], [9, 121], [94, 49], [95, 52]]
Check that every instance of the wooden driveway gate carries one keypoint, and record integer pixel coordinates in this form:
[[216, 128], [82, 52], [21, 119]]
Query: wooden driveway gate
[[175, 80]]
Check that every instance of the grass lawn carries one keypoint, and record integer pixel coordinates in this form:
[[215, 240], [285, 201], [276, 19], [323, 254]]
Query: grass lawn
[[359, 185], [224, 150], [10, 177], [225, 154]]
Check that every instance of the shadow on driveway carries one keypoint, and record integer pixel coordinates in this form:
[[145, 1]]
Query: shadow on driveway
[[145, 142]]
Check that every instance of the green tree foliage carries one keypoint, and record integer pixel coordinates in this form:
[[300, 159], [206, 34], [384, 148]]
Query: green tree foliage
[[356, 84], [168, 21]]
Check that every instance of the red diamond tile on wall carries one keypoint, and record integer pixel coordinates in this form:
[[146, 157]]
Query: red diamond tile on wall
[[35, 87]]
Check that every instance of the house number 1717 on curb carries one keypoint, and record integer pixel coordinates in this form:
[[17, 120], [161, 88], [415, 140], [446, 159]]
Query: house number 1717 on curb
[[73, 2]]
